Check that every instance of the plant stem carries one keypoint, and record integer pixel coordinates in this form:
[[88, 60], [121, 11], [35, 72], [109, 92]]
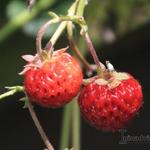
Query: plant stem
[[13, 90], [42, 30], [39, 127], [75, 48], [63, 19], [91, 48], [75, 125], [22, 18], [62, 26], [75, 111], [58, 32], [66, 124], [41, 33], [16, 89], [80, 8]]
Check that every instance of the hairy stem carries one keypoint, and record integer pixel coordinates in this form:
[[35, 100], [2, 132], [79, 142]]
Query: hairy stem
[[39, 127]]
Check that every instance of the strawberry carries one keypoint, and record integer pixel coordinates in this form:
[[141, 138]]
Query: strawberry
[[53, 81], [109, 103]]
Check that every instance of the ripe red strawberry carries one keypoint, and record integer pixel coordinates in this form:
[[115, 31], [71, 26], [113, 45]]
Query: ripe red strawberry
[[54, 81], [109, 104]]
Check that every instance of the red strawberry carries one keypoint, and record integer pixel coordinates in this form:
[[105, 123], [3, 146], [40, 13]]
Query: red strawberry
[[54, 81], [109, 104]]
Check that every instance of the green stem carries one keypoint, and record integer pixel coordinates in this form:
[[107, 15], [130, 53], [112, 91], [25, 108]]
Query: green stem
[[66, 124], [56, 19], [13, 90], [75, 125], [76, 19], [62, 26], [22, 18], [58, 32], [64, 20], [75, 109], [67, 111]]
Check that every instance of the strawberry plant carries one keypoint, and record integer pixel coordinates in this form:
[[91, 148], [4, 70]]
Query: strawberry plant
[[53, 78]]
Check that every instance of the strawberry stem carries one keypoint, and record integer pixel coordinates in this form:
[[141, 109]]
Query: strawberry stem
[[40, 35], [75, 125], [39, 127], [75, 48], [58, 32], [15, 89], [12, 90], [91, 49], [66, 124], [56, 19], [78, 8], [62, 25]]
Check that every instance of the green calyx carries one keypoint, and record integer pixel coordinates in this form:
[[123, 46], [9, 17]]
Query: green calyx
[[45, 55], [49, 53]]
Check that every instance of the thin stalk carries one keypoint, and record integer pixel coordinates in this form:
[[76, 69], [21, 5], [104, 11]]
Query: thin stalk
[[62, 26], [41, 33], [13, 90], [58, 32], [66, 124], [75, 125], [91, 49], [39, 127], [64, 19], [75, 48]]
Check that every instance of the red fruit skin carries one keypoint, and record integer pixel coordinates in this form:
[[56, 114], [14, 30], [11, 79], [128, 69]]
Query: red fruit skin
[[110, 109], [55, 83]]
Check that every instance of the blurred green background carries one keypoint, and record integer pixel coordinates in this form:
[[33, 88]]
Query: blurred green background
[[120, 30]]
